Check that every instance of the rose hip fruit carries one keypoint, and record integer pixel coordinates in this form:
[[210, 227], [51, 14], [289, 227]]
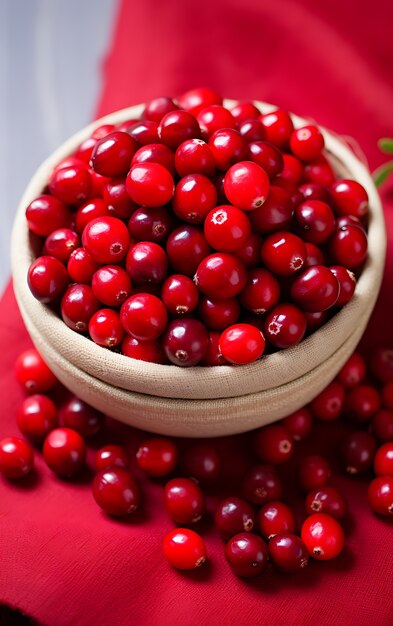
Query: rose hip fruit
[[16, 458], [246, 185], [116, 491], [323, 536], [184, 549], [33, 374]]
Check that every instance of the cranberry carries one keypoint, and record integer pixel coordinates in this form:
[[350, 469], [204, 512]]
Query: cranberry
[[267, 156], [349, 220], [81, 266], [157, 108], [285, 326], [323, 536], [36, 417], [221, 275], [243, 111], [307, 143], [315, 221], [315, 320], [316, 289], [184, 549], [183, 500], [16, 458], [242, 343], [247, 555], [45, 214], [150, 184], [292, 170], [144, 132], [33, 374], [112, 154], [186, 248], [275, 214], [361, 403], [152, 224], [273, 444], [82, 154], [47, 279], [314, 472], [327, 500], [347, 281], [197, 99], [147, 263], [250, 252], [283, 253], [275, 518], [380, 495], [381, 364], [77, 307], [185, 341], [81, 417], [353, 371], [261, 293], [328, 404], [195, 195], [71, 185], [111, 456], [278, 127], [213, 355], [349, 198], [382, 425], [387, 395], [319, 171], [64, 451], [252, 131], [202, 462], [194, 156], [179, 294], [176, 127], [348, 247], [105, 328], [299, 423], [218, 181], [288, 552], [246, 185], [116, 491], [358, 450], [234, 515], [150, 351], [156, 153], [227, 228], [218, 313], [144, 316], [157, 457], [315, 255], [111, 285], [213, 118], [261, 484], [106, 239], [314, 191], [383, 460], [88, 211], [117, 201], [227, 147], [291, 189]]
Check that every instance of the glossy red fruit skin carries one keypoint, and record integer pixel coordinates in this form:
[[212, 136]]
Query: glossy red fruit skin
[[347, 281], [183, 501], [214, 117], [146, 263], [184, 549], [64, 452], [150, 351], [275, 214], [221, 275], [250, 252], [88, 211], [105, 328], [186, 248], [315, 289], [153, 224], [357, 451], [78, 305], [319, 171], [314, 191], [116, 199], [307, 143], [158, 107], [382, 425], [194, 100], [293, 169], [179, 294], [116, 491], [266, 156], [261, 293], [80, 416], [33, 374], [322, 536], [315, 320], [81, 266], [361, 403], [185, 342], [283, 253], [349, 198], [234, 515], [202, 463], [111, 456], [278, 127], [315, 221], [246, 185], [261, 484], [195, 195], [383, 460], [288, 553], [252, 131], [380, 495], [327, 500], [227, 147], [273, 444], [314, 472], [299, 423], [353, 371], [387, 395], [47, 279], [157, 457], [241, 344], [328, 404], [247, 555], [71, 185], [36, 417], [176, 127], [348, 247], [194, 156], [16, 458], [213, 355], [381, 363], [150, 184], [45, 214], [144, 316], [156, 153], [111, 285], [285, 326], [227, 228], [112, 154], [144, 132], [275, 518], [106, 239], [243, 111]]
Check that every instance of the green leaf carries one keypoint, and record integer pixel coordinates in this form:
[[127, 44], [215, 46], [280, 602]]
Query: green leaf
[[382, 173], [386, 145]]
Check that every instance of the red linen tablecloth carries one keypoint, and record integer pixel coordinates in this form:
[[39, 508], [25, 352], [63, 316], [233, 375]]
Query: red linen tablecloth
[[62, 561]]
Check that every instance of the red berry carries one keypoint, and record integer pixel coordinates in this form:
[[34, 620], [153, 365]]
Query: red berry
[[111, 285], [322, 536], [227, 147], [106, 239], [157, 108], [197, 99], [283, 253], [64, 451], [314, 220], [194, 156], [105, 328], [176, 127], [81, 266], [213, 355], [242, 343], [32, 372], [381, 364], [274, 444], [150, 351], [361, 403], [358, 450], [183, 500], [275, 518], [201, 462], [184, 549], [227, 228], [221, 275], [112, 154], [252, 131], [144, 132], [116, 491], [250, 252], [88, 211], [353, 371], [102, 131], [247, 555], [117, 201], [261, 484], [380, 495], [307, 143], [383, 460], [47, 279], [261, 293], [186, 248], [214, 117], [111, 456], [285, 326], [288, 553], [185, 341], [315, 320], [316, 289], [157, 457], [292, 170], [153, 224], [71, 185], [314, 471], [16, 458], [179, 294], [267, 156], [195, 195], [319, 171], [349, 198], [218, 313], [328, 404], [45, 214], [243, 111], [156, 153], [347, 281], [81, 417], [278, 127], [348, 247], [314, 191], [144, 316], [146, 263], [150, 184], [234, 515], [327, 500], [299, 423], [275, 214], [36, 417], [246, 185], [78, 306], [382, 425], [387, 395]]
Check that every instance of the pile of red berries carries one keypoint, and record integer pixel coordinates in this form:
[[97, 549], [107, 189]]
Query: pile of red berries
[[260, 520], [198, 234]]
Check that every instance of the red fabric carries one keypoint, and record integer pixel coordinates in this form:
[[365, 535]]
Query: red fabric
[[62, 561]]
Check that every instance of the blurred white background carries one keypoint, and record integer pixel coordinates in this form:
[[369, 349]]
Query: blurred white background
[[50, 63]]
